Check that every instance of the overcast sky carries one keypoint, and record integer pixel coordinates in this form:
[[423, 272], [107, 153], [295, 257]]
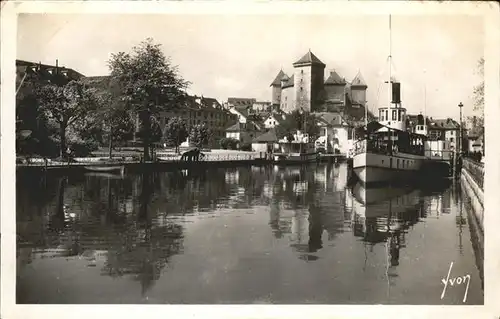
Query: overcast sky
[[239, 56]]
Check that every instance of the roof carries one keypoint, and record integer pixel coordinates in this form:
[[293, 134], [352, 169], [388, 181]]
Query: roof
[[38, 72], [443, 124], [277, 79], [238, 101], [267, 137], [358, 81], [307, 59], [334, 79], [290, 82], [243, 110], [234, 128], [331, 118]]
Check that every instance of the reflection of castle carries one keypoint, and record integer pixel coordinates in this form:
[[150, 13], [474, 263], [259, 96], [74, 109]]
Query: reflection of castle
[[306, 88]]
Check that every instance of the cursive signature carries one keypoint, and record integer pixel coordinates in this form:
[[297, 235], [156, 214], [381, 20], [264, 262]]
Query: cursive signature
[[455, 281]]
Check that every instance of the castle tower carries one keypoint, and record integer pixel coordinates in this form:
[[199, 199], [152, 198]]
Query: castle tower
[[335, 87], [308, 81], [358, 90], [276, 89]]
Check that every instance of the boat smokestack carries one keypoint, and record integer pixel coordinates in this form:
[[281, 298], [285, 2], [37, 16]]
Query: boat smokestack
[[396, 92]]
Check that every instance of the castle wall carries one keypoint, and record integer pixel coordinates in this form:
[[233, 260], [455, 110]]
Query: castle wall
[[317, 85], [335, 92], [276, 95], [302, 85], [358, 95], [288, 99]]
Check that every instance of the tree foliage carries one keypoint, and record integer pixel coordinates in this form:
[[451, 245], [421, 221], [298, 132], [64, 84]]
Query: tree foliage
[[297, 120], [228, 143], [68, 106], [175, 132], [200, 135], [479, 90], [147, 83]]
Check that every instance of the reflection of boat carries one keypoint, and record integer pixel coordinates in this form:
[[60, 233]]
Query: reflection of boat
[[375, 202], [380, 212], [106, 169], [105, 175]]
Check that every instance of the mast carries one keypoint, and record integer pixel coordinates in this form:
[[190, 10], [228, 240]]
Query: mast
[[390, 67], [425, 98]]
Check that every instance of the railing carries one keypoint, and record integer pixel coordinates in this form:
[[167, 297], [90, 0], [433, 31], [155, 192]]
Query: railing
[[475, 170]]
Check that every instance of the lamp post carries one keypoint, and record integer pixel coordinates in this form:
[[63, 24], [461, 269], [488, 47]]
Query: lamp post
[[460, 105]]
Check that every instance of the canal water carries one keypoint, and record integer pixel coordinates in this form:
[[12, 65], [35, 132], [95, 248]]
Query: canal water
[[241, 235]]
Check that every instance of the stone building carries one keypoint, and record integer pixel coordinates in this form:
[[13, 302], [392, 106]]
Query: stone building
[[307, 89]]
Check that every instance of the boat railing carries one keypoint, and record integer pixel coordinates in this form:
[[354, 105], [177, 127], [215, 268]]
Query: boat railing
[[384, 147]]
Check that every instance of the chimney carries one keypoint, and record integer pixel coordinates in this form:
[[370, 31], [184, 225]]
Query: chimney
[[396, 92]]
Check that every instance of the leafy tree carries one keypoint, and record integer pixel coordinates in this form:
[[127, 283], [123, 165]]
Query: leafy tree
[[229, 143], [66, 105], [113, 122], [297, 120], [200, 135], [148, 83], [175, 132], [479, 90]]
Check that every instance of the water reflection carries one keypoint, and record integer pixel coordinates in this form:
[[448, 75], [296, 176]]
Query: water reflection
[[138, 227]]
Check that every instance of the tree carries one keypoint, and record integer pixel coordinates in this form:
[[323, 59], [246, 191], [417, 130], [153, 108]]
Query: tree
[[298, 121], [114, 123], [479, 90], [175, 132], [66, 105], [228, 143], [148, 83], [200, 135]]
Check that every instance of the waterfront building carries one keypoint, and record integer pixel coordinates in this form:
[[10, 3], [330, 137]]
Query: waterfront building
[[273, 119], [336, 135], [31, 72], [243, 132], [202, 110]]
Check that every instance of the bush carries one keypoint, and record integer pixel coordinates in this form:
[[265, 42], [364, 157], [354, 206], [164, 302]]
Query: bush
[[82, 149], [246, 147]]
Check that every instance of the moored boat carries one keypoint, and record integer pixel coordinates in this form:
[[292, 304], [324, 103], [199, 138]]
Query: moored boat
[[386, 150], [296, 149], [105, 169]]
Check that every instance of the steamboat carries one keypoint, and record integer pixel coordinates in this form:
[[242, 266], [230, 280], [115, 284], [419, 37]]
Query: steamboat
[[385, 150]]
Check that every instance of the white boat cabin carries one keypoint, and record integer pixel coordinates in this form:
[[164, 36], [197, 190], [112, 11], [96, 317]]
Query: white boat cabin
[[296, 143]]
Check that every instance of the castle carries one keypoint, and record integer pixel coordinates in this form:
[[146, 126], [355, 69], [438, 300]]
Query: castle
[[307, 90]]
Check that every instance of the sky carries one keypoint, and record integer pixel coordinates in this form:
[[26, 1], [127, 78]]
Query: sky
[[433, 56]]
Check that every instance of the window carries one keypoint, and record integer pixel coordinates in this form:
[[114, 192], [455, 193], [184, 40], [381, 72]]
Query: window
[[399, 115], [393, 115]]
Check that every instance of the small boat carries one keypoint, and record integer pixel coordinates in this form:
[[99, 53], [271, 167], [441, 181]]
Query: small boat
[[296, 149], [106, 169]]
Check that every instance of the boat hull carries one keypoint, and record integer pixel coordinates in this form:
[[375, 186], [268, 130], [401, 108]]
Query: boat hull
[[105, 169], [374, 168], [289, 159]]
